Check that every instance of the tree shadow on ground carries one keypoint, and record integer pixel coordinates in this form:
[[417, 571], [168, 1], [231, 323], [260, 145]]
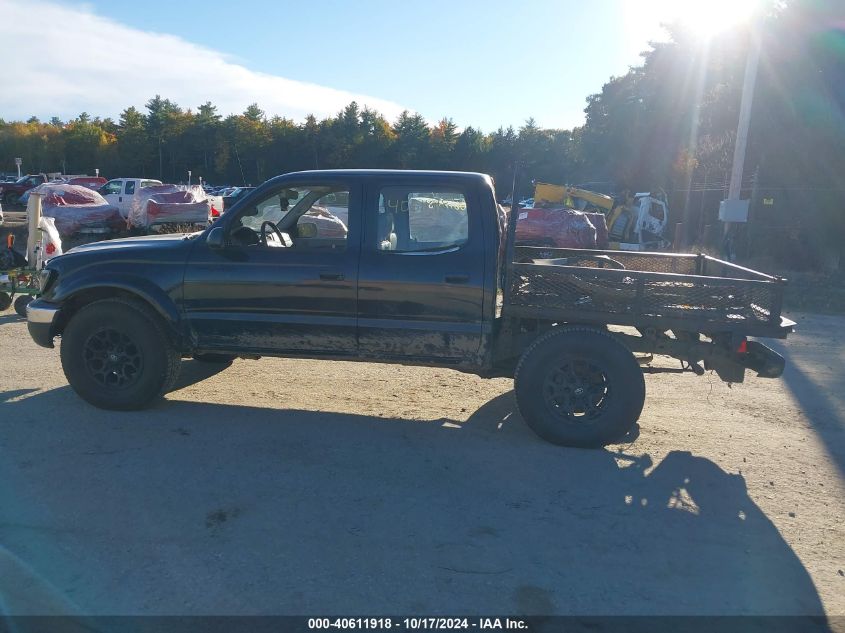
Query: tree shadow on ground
[[11, 317], [210, 508], [824, 407]]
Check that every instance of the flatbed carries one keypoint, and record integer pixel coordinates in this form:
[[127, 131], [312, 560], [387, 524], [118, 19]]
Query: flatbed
[[657, 290]]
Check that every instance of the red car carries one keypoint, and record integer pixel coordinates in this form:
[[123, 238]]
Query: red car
[[10, 192], [89, 182], [561, 228]]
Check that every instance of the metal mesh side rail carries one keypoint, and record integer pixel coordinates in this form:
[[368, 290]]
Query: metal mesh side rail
[[637, 293]]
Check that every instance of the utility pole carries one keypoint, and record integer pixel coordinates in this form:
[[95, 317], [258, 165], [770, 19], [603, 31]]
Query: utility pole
[[733, 210], [744, 117]]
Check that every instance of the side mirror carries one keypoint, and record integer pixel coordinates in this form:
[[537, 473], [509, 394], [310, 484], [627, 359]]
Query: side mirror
[[306, 229], [216, 238]]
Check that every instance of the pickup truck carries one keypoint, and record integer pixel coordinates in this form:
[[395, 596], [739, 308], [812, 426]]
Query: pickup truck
[[427, 274], [120, 192], [126, 194]]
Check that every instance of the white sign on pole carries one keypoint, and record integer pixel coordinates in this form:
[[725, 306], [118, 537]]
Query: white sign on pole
[[733, 210], [18, 163]]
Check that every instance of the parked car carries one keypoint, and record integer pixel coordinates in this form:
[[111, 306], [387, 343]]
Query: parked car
[[90, 182], [416, 280], [560, 228], [10, 193], [77, 209], [233, 195]]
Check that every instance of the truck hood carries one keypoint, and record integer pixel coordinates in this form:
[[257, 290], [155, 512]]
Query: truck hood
[[145, 242]]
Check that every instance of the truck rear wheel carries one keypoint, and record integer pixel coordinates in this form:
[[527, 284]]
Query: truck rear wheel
[[117, 355], [579, 387]]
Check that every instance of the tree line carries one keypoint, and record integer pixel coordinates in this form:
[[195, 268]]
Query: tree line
[[669, 122], [165, 141]]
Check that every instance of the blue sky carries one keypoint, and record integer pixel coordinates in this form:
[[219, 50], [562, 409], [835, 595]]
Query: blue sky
[[484, 64]]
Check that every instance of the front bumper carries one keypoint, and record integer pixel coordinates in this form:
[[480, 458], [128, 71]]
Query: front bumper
[[41, 318]]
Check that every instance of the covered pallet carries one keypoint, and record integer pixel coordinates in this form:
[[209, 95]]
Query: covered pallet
[[169, 204], [328, 224], [75, 209], [561, 228]]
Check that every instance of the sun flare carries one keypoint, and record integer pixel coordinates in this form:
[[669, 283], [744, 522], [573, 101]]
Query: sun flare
[[705, 18]]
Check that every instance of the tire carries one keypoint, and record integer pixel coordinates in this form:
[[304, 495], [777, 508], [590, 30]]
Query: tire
[[117, 355], [5, 301], [578, 386], [220, 359], [21, 301]]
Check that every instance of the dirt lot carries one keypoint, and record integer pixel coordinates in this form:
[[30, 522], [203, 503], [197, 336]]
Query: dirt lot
[[284, 486]]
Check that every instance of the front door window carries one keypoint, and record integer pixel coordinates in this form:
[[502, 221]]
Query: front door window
[[312, 217], [111, 187]]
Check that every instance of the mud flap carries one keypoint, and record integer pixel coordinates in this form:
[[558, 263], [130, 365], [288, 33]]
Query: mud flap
[[764, 360], [757, 357]]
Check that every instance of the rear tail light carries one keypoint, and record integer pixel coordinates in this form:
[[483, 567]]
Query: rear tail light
[[215, 213], [743, 347]]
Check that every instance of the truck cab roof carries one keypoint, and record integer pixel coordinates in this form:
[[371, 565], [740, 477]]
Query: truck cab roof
[[378, 173]]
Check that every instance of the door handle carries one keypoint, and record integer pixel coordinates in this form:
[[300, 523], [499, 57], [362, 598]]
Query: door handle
[[331, 276], [456, 279], [120, 198]]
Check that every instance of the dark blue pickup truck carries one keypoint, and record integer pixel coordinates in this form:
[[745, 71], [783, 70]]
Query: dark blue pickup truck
[[410, 267]]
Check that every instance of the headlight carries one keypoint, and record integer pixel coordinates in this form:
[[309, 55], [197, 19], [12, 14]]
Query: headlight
[[45, 276]]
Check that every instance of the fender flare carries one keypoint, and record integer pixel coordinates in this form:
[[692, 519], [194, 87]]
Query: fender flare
[[135, 285]]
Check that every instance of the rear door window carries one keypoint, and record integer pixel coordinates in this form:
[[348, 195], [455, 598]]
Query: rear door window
[[416, 220]]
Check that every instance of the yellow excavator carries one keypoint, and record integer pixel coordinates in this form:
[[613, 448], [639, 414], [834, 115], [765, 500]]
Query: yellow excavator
[[634, 222]]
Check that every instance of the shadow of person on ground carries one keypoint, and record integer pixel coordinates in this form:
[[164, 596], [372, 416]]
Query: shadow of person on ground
[[322, 512]]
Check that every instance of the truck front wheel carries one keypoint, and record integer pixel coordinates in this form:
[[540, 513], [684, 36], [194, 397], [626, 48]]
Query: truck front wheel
[[579, 387], [21, 301], [116, 354]]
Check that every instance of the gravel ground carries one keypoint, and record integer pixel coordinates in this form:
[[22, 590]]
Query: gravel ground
[[308, 487]]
